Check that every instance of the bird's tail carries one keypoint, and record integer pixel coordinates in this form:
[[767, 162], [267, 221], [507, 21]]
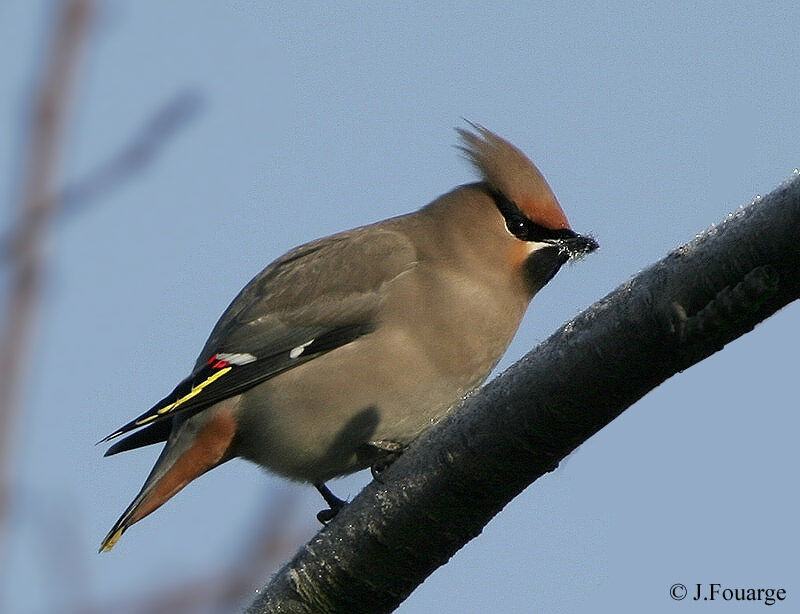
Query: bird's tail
[[133, 513], [194, 447]]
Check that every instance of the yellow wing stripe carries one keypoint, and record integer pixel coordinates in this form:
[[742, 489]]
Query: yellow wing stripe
[[191, 394]]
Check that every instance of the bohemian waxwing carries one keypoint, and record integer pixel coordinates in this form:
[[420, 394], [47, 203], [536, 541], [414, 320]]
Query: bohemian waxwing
[[342, 351]]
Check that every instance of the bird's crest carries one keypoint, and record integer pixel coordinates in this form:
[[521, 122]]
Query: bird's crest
[[509, 171]]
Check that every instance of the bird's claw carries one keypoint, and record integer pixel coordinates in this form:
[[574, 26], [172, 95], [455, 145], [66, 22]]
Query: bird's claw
[[336, 504], [391, 452], [325, 516]]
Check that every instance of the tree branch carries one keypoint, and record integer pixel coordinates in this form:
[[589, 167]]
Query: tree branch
[[445, 488]]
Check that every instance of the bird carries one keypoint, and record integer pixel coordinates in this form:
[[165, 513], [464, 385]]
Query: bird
[[338, 354]]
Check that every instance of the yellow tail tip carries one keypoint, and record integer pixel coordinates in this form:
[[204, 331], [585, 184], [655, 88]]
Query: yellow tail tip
[[110, 540]]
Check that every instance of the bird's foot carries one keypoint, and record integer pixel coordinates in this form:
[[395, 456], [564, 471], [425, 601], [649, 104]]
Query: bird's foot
[[391, 451], [335, 503]]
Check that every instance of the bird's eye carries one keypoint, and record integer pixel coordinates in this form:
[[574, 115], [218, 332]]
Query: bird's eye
[[518, 226]]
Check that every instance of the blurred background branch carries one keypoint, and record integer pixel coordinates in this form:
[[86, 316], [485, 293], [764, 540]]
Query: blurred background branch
[[132, 158], [24, 253], [37, 207]]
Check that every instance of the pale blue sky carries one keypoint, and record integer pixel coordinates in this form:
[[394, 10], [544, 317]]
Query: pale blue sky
[[650, 121]]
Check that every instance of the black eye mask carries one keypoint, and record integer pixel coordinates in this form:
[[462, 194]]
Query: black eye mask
[[522, 227]]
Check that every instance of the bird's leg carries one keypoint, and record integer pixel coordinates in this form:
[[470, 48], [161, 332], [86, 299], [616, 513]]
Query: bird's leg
[[391, 451], [325, 516]]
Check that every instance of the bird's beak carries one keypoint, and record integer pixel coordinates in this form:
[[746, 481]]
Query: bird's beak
[[575, 246]]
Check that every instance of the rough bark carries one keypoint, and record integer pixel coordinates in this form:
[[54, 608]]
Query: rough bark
[[458, 475]]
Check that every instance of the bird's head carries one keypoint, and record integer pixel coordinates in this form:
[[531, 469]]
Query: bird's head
[[539, 236]]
